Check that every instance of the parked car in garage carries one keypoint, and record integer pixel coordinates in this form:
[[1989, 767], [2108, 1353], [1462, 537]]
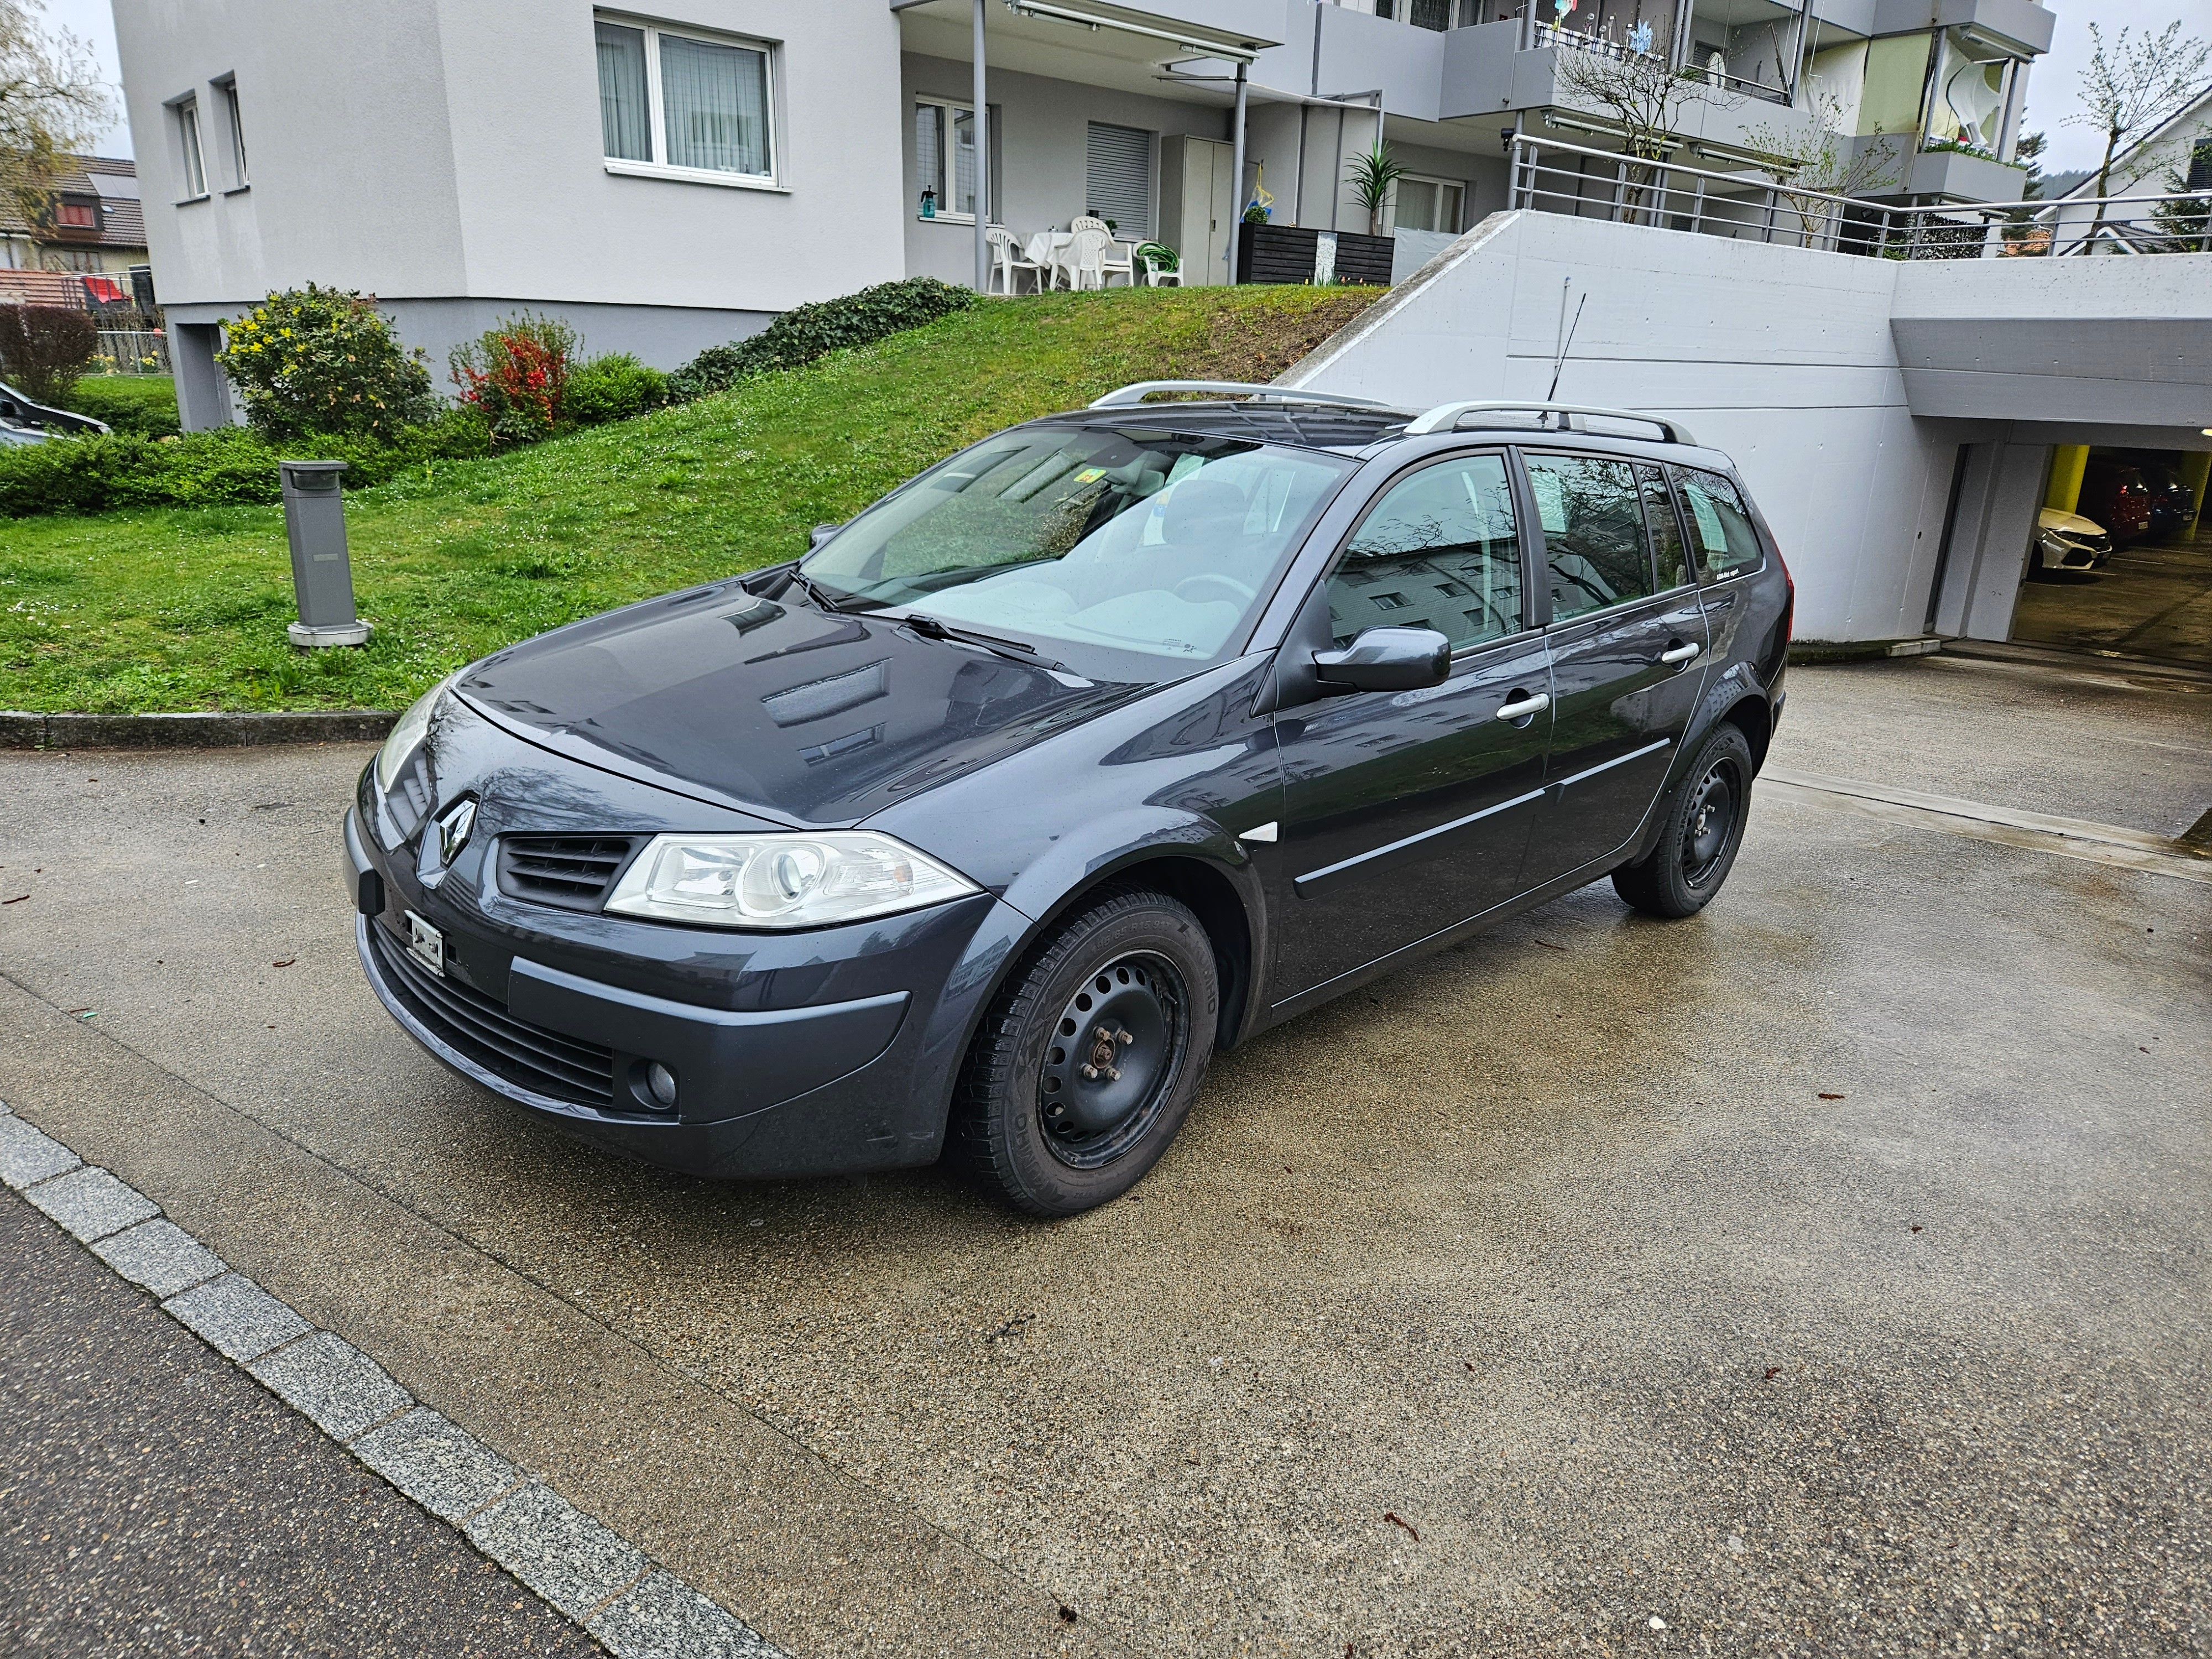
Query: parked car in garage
[[1111, 742], [2113, 493], [2172, 503], [2068, 541]]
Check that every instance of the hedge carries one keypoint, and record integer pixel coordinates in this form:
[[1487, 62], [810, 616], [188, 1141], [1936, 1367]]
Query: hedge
[[229, 466], [804, 333]]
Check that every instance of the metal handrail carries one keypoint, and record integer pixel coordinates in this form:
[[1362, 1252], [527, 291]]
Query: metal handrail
[[1651, 190], [1129, 396], [1445, 417]]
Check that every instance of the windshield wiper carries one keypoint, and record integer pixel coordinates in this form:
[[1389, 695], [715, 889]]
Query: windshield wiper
[[929, 627], [814, 591]]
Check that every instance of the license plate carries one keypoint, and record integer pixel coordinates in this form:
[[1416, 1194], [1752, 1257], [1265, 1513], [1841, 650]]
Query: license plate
[[425, 944]]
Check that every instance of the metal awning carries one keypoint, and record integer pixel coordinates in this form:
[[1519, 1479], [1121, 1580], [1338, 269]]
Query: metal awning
[[1094, 28]]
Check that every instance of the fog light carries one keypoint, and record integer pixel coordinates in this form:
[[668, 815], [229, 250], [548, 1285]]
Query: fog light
[[660, 1082]]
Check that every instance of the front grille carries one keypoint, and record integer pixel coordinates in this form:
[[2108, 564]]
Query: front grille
[[573, 872], [465, 1019]]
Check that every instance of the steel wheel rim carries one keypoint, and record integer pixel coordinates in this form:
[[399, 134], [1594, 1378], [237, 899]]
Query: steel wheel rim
[[1111, 1062], [1707, 832]]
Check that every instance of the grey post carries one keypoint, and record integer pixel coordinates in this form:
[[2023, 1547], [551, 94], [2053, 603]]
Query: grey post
[[314, 524], [982, 131], [1237, 171]]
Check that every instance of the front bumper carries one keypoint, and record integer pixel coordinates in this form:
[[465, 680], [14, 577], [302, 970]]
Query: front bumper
[[827, 1051]]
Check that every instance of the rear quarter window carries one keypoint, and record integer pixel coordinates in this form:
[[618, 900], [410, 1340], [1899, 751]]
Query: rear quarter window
[[1721, 531]]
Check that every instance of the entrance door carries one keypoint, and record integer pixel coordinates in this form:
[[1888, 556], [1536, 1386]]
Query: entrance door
[[1627, 638], [1405, 812]]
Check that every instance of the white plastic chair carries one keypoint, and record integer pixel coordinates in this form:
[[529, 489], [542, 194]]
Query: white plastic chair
[[1087, 222], [1085, 257], [1156, 273], [1120, 262], [1008, 261]]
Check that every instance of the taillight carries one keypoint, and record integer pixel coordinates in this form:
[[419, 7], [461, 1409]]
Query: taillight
[[1788, 599]]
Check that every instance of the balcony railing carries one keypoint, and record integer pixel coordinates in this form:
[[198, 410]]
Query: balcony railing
[[1560, 178]]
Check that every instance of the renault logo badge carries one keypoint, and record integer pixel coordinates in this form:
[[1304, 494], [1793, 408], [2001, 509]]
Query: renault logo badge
[[453, 826]]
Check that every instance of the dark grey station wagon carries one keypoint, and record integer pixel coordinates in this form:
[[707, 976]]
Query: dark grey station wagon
[[1111, 741]]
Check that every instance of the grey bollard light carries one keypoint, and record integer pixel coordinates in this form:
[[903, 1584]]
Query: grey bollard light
[[314, 524]]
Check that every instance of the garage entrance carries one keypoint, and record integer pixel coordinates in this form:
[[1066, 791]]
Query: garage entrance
[[2122, 562]]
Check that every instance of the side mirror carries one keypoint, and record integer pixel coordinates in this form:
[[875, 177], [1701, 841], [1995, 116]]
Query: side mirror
[[821, 533], [1388, 660]]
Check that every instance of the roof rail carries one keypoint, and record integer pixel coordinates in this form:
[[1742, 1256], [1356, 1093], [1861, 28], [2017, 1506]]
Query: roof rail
[[1129, 396], [1444, 417]]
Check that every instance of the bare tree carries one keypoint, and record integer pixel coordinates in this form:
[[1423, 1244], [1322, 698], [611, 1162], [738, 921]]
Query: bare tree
[[1818, 159], [2135, 84], [1644, 97], [51, 102]]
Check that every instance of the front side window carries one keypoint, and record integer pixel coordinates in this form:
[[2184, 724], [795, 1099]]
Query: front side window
[[683, 100], [1720, 530], [1439, 550], [1131, 555], [1594, 534], [188, 131]]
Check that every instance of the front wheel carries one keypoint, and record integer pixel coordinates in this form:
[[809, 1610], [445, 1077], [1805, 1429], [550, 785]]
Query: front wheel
[[1704, 827], [1085, 1066]]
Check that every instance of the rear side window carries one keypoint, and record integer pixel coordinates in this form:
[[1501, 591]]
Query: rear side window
[[1720, 530], [1439, 550], [1593, 536]]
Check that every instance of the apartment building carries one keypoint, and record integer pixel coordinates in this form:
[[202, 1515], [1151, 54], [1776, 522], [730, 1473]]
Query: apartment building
[[673, 177]]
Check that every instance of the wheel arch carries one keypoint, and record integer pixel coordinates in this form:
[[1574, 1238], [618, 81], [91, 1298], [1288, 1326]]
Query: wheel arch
[[1210, 893], [1751, 715]]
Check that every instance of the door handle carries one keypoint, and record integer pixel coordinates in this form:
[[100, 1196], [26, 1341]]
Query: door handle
[[1681, 653], [1521, 709]]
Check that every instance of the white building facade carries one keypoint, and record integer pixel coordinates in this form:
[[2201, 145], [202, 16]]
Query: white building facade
[[671, 177]]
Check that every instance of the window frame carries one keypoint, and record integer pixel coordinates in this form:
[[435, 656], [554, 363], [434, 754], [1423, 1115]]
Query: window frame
[[1518, 485], [191, 147], [656, 109], [1459, 185], [994, 174], [235, 131]]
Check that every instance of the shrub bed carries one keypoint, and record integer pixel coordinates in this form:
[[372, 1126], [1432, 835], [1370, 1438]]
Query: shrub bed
[[806, 332]]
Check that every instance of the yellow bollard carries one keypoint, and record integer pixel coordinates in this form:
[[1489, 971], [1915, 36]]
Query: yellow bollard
[[2067, 463]]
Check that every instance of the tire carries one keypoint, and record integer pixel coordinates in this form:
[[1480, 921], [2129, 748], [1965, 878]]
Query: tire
[[1085, 1065], [1703, 828]]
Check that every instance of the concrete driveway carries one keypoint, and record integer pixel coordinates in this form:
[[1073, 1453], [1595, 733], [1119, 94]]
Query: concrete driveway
[[1825, 1274]]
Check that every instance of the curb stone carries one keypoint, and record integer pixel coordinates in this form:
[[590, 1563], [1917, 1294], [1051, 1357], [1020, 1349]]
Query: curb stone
[[18, 730], [617, 1594]]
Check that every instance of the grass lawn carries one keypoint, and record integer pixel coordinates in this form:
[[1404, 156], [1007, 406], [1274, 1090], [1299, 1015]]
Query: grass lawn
[[184, 609]]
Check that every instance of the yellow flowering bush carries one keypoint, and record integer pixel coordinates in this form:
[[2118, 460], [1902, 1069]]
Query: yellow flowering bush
[[324, 362]]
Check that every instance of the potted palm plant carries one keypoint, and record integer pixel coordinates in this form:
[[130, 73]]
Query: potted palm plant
[[1373, 177]]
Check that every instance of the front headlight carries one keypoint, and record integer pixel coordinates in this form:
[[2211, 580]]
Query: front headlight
[[408, 734], [780, 881]]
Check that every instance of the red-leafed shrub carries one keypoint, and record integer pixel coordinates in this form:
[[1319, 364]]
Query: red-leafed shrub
[[517, 372]]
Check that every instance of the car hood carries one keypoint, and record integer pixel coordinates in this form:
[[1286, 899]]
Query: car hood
[[2072, 523], [799, 714]]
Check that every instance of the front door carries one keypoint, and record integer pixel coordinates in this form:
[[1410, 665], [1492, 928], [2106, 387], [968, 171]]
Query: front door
[[1628, 637], [1405, 812]]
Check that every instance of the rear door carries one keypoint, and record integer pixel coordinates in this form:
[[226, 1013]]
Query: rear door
[[1405, 812], [1628, 637]]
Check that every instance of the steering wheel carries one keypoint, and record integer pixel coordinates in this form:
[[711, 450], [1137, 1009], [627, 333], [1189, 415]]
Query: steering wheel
[[1237, 591]]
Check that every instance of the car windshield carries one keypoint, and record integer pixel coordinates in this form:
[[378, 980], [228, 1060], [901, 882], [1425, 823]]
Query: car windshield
[[1133, 554]]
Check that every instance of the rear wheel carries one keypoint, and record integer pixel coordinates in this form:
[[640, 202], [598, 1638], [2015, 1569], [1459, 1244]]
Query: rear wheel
[[1704, 827], [1087, 1064]]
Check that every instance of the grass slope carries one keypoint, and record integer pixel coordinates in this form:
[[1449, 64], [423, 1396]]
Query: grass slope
[[184, 609]]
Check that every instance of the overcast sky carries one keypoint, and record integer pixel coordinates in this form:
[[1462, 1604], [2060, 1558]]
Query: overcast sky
[[2051, 92]]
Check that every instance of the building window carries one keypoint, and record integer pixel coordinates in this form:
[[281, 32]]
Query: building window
[[235, 131], [188, 133], [1118, 180], [81, 215], [687, 102], [1428, 203], [944, 159]]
